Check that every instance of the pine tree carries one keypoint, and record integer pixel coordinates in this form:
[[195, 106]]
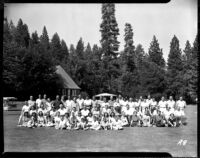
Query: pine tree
[[44, 38], [88, 52], [34, 39], [175, 67], [186, 72], [55, 48], [21, 34], [80, 49], [109, 31], [130, 80], [139, 55], [155, 53], [65, 50], [194, 69]]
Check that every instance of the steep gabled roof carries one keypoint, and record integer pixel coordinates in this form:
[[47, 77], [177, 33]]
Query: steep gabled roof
[[67, 80]]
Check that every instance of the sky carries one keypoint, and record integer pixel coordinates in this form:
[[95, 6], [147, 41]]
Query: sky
[[72, 21]]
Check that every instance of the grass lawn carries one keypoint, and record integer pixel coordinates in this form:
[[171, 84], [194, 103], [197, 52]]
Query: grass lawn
[[149, 139]]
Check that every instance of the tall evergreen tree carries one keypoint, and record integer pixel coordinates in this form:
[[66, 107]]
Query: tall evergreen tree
[[175, 67], [155, 53], [109, 47], [88, 52], [109, 31], [21, 34], [34, 39], [194, 69], [139, 55], [80, 48], [44, 38], [55, 48], [130, 80], [65, 50]]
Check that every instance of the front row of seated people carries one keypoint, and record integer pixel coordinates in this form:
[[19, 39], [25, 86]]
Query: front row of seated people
[[98, 118]]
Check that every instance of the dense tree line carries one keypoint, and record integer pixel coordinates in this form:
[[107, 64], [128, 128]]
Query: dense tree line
[[29, 63]]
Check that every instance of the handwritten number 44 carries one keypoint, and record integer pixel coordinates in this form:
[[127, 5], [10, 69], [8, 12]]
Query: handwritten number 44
[[182, 142]]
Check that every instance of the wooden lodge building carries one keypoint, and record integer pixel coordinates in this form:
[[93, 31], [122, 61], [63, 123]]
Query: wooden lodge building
[[70, 88]]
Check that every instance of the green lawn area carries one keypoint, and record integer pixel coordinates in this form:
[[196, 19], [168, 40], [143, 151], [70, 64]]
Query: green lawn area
[[20, 139]]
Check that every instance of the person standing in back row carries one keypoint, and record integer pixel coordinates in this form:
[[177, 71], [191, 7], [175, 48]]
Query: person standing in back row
[[31, 102], [181, 103], [57, 102], [162, 105]]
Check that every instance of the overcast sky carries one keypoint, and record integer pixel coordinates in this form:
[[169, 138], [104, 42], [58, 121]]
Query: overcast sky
[[72, 21]]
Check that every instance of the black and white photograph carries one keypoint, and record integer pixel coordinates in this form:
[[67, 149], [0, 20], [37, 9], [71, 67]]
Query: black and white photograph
[[100, 77]]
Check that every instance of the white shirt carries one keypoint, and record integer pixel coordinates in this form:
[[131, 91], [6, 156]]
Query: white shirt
[[62, 111], [80, 102], [84, 112], [116, 104], [137, 104], [43, 111], [122, 102], [171, 103], [149, 101], [144, 104], [128, 111], [162, 104], [87, 102], [179, 113], [153, 103], [38, 102], [104, 104], [131, 104], [69, 104], [167, 113], [31, 103], [25, 108], [181, 104]]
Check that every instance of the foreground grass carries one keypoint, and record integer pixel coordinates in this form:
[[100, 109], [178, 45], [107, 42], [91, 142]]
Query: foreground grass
[[128, 140]]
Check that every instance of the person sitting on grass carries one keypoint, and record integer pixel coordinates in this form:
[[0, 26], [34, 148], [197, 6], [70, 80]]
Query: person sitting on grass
[[25, 108], [62, 109], [112, 119], [32, 110], [48, 120], [167, 113], [146, 118], [53, 113], [124, 120], [57, 120], [128, 112], [159, 120], [33, 121], [106, 116], [90, 119], [180, 116], [96, 111], [105, 124], [85, 111], [135, 121], [171, 122], [62, 123], [95, 124], [105, 109], [117, 124], [73, 120], [113, 110], [42, 108], [83, 124], [25, 119], [68, 121], [41, 119]]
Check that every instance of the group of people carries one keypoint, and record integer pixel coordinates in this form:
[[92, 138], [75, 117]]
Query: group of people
[[102, 114]]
